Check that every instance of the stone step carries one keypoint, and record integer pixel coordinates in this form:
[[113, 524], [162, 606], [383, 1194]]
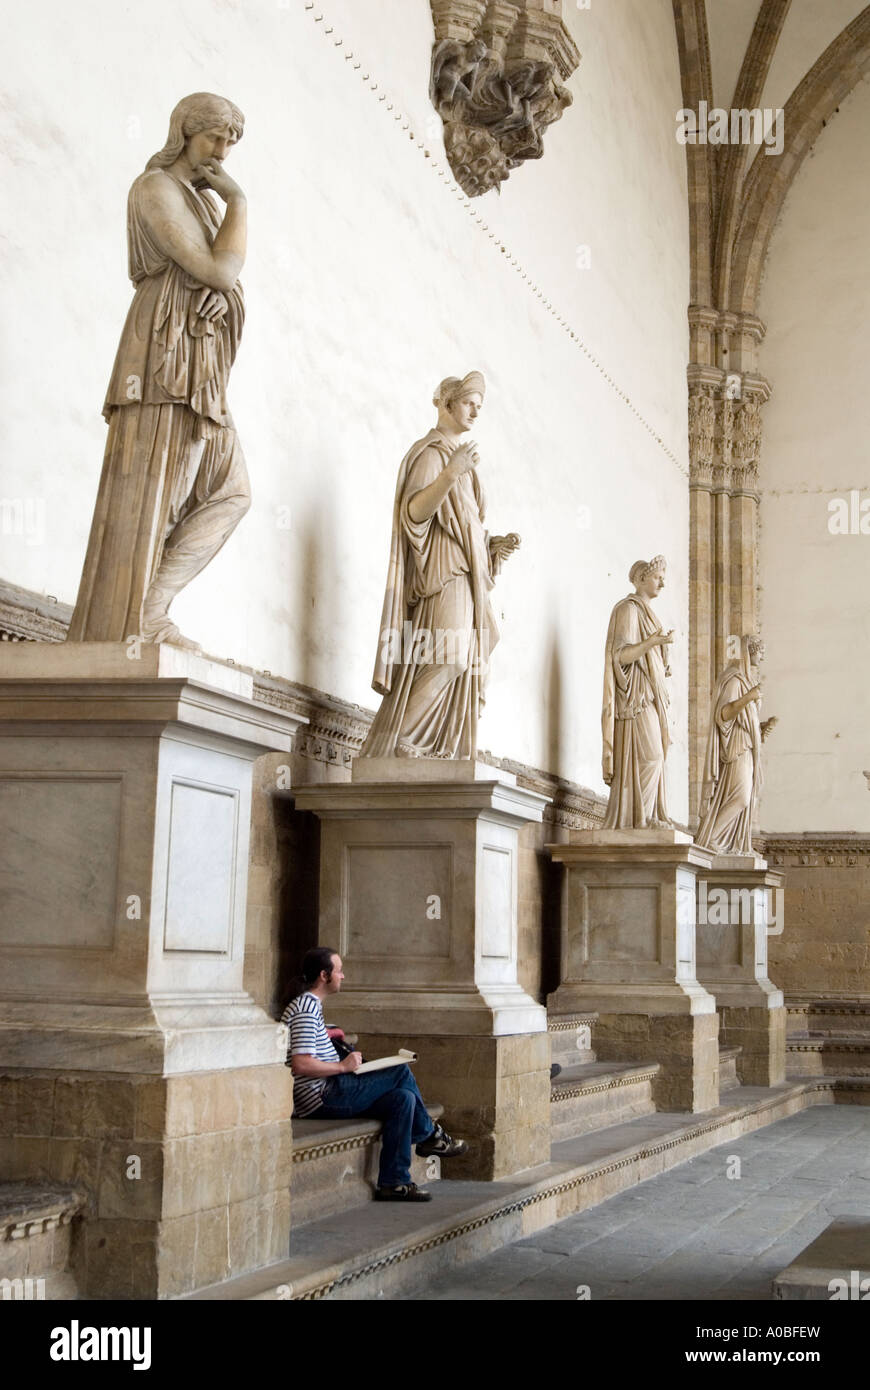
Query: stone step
[[834, 1016], [824, 1056], [594, 1095], [335, 1166], [728, 1077], [35, 1230], [841, 1253], [380, 1251], [571, 1038]]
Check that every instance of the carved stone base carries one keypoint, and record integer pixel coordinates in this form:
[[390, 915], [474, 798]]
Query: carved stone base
[[418, 893], [732, 935], [125, 809], [628, 953], [187, 1177]]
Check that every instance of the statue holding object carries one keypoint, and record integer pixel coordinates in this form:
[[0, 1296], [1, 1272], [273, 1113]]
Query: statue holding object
[[732, 768], [174, 484], [634, 717], [437, 627]]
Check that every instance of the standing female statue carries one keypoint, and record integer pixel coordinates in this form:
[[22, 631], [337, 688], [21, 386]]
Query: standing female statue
[[634, 718], [174, 484], [732, 768], [438, 628]]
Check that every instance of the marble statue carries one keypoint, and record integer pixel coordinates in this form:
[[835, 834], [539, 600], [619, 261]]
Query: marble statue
[[634, 718], [732, 767], [438, 628], [174, 484]]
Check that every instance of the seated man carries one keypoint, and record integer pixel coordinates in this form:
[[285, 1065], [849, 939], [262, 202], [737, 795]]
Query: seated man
[[325, 1088]]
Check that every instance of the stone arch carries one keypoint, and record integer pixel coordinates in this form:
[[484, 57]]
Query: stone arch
[[814, 101]]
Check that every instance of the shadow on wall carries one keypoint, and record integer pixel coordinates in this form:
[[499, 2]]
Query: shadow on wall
[[550, 873], [554, 720], [298, 837]]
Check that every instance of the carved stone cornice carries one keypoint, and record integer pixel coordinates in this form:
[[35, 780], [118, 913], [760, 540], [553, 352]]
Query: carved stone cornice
[[494, 83], [28, 617], [816, 851]]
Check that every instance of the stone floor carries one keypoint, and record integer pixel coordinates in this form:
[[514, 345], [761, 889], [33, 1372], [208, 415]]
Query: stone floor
[[696, 1232]]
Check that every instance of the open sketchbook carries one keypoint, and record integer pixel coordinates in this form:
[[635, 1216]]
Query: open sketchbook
[[379, 1063]]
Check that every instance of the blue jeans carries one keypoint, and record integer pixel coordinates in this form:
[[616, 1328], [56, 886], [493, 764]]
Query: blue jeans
[[390, 1096]]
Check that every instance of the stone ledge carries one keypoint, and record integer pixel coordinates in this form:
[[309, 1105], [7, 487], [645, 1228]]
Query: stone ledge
[[313, 1138], [841, 1252], [32, 1208], [356, 1259], [591, 1078]]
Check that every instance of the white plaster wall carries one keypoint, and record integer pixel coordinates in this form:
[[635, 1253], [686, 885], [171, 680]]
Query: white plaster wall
[[367, 281], [814, 607]]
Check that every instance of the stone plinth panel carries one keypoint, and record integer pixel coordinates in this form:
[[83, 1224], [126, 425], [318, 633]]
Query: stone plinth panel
[[733, 917], [132, 1061], [419, 895], [628, 953], [125, 810]]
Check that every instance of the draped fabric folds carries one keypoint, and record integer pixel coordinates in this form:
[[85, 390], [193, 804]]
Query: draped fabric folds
[[172, 451], [732, 767], [634, 720], [437, 625]]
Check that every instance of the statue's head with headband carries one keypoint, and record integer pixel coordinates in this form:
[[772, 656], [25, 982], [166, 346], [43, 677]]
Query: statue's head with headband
[[642, 570]]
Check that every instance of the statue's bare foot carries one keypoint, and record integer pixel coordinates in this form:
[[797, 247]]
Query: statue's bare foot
[[164, 630]]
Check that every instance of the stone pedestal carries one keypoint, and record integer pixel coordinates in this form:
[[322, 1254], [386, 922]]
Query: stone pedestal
[[733, 914], [628, 953], [133, 1062], [418, 893]]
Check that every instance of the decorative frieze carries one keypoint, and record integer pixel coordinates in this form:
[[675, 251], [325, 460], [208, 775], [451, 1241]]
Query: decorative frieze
[[818, 851], [495, 83]]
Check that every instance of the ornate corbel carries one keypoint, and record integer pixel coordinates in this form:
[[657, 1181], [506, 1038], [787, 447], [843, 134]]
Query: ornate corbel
[[495, 83]]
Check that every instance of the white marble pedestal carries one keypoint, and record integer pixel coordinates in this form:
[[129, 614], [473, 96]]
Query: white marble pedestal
[[125, 1030], [628, 953], [418, 893], [733, 914]]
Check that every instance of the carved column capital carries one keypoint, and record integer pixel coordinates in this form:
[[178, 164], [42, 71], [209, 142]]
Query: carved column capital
[[494, 83]]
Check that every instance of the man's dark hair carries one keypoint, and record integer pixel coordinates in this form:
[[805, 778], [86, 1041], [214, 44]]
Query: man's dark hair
[[317, 959]]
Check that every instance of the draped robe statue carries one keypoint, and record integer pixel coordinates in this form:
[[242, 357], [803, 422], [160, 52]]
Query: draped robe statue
[[174, 484], [634, 716], [437, 626], [732, 767]]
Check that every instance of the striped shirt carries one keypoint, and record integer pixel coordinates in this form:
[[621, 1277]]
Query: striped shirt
[[304, 1018]]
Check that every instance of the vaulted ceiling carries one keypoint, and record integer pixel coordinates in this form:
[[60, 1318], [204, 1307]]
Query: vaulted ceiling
[[799, 55]]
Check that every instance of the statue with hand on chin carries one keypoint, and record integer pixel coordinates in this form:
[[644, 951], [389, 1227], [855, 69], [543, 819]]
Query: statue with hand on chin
[[174, 484]]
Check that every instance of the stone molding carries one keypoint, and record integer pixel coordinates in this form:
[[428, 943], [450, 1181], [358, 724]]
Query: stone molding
[[571, 1023], [616, 1083], [40, 1209], [495, 83], [335, 1146], [815, 851], [27, 617]]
